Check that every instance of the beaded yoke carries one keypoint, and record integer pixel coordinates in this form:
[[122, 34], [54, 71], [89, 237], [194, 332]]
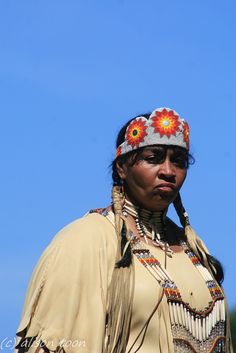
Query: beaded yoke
[[193, 331]]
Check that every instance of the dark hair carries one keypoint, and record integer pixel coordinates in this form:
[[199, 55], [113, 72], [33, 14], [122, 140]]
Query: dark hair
[[215, 264], [126, 260]]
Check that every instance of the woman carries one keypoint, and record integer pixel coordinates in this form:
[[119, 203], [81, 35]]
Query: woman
[[126, 278]]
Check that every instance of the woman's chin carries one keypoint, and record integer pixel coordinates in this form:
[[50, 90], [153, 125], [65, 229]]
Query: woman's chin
[[156, 205]]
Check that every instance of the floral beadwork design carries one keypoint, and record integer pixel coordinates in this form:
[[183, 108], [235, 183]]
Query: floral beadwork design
[[136, 132], [186, 134], [163, 127], [118, 152], [166, 123]]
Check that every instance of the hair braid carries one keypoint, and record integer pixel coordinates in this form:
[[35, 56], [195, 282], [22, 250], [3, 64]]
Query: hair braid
[[120, 298], [183, 217], [115, 176], [117, 201], [196, 244], [117, 198], [126, 259]]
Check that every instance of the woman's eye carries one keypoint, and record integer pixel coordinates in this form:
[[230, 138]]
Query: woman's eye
[[150, 159], [155, 159], [180, 161]]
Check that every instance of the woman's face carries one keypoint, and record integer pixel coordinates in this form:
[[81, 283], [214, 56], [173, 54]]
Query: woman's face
[[155, 178]]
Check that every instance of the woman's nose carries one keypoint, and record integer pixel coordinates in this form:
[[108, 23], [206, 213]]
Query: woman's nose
[[166, 169]]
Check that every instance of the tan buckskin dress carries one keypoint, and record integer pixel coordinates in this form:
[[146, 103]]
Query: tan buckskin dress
[[67, 295]]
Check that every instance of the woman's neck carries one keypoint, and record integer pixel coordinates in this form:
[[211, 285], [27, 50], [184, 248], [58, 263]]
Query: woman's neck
[[147, 221], [150, 225]]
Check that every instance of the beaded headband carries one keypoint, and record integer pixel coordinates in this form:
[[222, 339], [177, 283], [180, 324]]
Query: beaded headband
[[164, 127]]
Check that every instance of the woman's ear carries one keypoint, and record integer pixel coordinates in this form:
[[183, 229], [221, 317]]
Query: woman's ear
[[121, 170]]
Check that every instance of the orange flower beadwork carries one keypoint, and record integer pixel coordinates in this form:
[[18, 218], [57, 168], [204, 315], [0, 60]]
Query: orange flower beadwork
[[163, 127], [166, 123], [186, 134], [136, 132], [118, 152]]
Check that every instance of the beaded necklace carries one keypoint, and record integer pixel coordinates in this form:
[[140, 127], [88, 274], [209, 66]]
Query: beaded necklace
[[149, 225], [194, 331]]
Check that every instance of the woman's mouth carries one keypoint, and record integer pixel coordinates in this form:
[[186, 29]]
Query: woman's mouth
[[166, 187]]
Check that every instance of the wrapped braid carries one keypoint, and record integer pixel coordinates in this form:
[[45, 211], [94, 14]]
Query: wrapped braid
[[123, 244], [194, 242], [121, 289], [199, 248], [117, 200]]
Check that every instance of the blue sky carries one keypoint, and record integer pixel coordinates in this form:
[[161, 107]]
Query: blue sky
[[71, 73]]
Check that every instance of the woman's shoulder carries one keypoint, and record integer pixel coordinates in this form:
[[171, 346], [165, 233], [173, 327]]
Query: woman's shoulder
[[89, 237], [79, 240], [77, 263], [92, 227]]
